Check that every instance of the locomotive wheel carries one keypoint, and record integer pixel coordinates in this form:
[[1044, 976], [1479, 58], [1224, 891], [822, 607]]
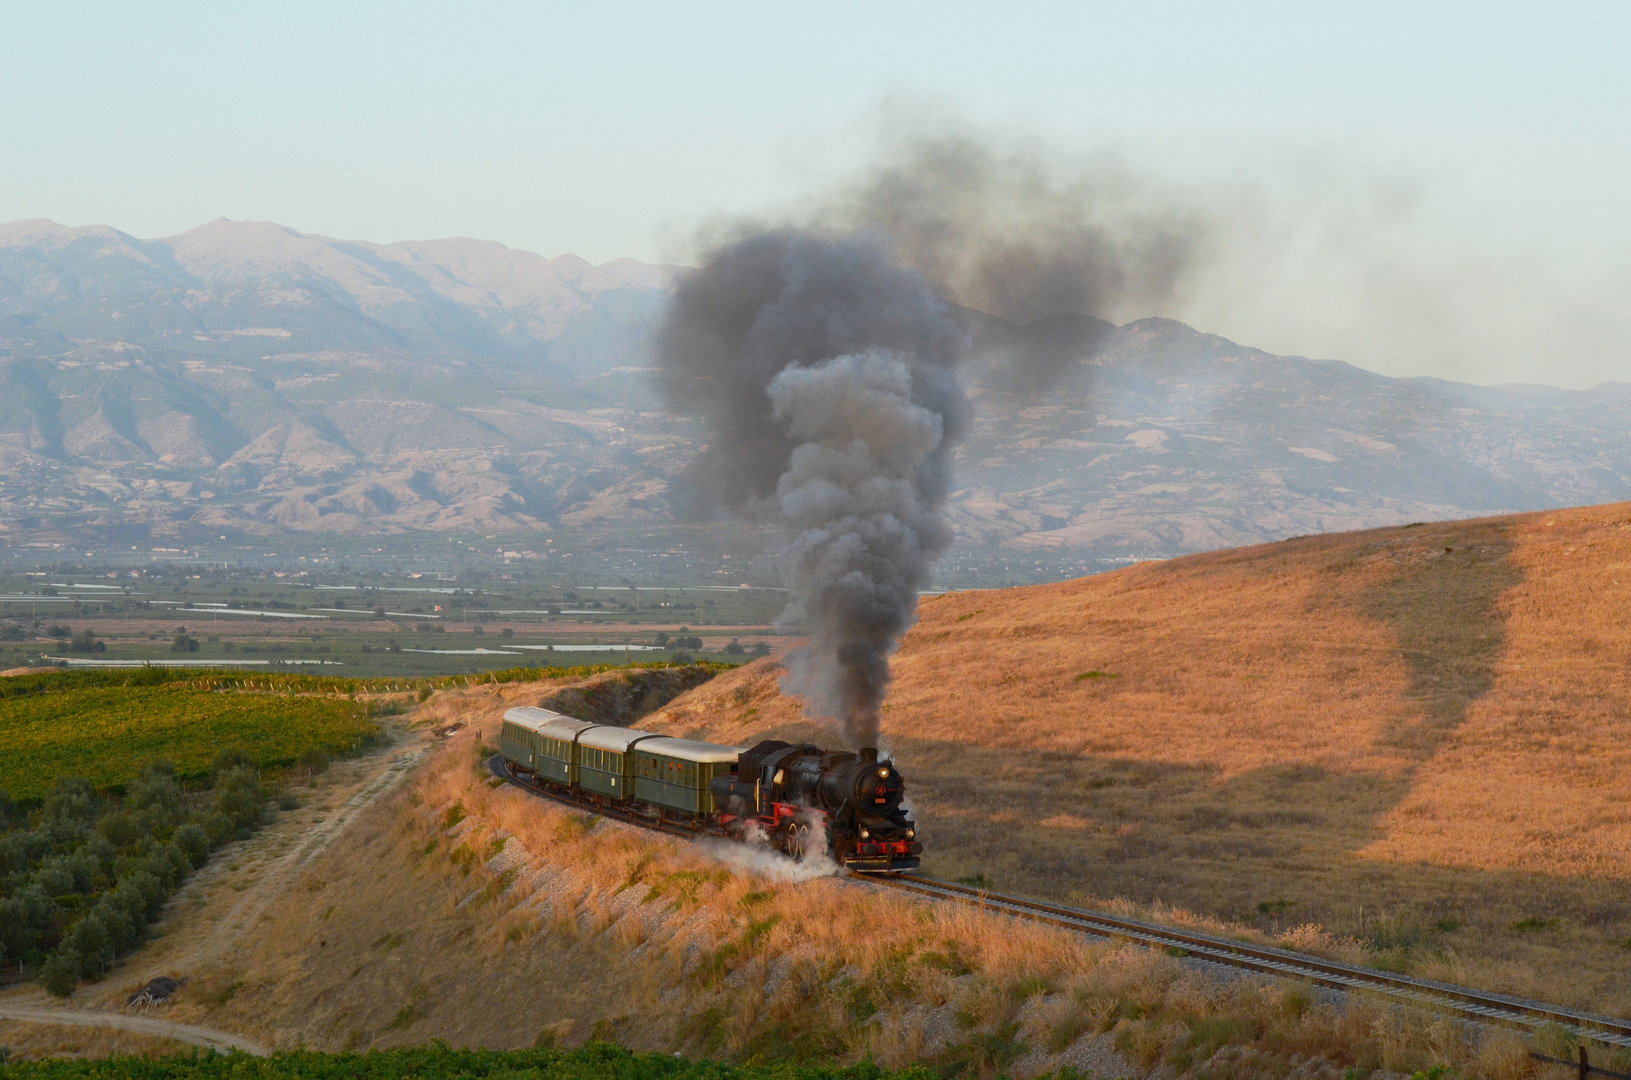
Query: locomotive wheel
[[796, 840]]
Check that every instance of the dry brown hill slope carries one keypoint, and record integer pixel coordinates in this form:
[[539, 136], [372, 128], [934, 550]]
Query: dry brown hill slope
[[461, 908], [1415, 736]]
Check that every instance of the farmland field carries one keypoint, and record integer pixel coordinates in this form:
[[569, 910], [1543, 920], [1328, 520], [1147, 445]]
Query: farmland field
[[108, 734]]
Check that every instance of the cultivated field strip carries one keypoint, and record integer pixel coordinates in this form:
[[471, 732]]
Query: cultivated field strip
[[1460, 999]]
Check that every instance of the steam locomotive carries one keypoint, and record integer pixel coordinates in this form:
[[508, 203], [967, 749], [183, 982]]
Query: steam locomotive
[[799, 798]]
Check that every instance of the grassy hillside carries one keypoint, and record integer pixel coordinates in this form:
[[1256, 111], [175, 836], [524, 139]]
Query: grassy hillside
[[1413, 737], [461, 909]]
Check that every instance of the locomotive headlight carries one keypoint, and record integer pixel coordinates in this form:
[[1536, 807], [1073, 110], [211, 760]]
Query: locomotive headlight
[[865, 834], [883, 774], [910, 833]]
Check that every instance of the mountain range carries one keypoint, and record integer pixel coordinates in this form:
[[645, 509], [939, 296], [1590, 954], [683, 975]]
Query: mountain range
[[245, 377]]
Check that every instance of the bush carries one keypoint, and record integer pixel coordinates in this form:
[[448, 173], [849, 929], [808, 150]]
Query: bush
[[71, 799], [193, 842], [60, 974], [122, 829], [90, 944], [156, 797], [240, 798], [229, 759], [85, 642], [24, 917], [217, 826]]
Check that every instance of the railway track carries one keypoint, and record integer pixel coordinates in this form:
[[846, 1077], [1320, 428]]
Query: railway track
[[1473, 1004]]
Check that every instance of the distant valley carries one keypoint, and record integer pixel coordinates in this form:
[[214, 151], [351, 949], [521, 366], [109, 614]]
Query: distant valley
[[243, 380]]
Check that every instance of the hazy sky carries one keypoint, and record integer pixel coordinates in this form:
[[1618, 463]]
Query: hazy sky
[[1418, 190]]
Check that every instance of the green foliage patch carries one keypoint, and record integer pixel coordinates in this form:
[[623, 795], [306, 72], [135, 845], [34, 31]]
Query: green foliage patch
[[86, 875], [296, 683], [108, 733]]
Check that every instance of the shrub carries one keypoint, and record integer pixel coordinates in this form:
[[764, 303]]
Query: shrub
[[90, 943], [60, 974], [121, 828], [233, 758], [193, 842], [71, 799], [239, 797], [85, 642]]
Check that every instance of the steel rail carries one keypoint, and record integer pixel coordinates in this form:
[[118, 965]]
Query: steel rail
[[1475, 1004]]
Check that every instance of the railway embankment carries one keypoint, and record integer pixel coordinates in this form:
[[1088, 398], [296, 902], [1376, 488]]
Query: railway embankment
[[459, 909], [1402, 748]]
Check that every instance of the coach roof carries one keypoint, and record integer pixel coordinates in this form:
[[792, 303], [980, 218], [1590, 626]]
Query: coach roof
[[616, 739], [701, 753]]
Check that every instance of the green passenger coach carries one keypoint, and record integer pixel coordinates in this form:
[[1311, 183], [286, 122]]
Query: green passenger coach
[[615, 763], [674, 773], [604, 760], [542, 742]]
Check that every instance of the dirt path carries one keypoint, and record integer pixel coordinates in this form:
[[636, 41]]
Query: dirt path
[[279, 873], [249, 878], [145, 1025]]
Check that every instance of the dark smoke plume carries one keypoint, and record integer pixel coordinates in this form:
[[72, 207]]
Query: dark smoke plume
[[825, 372], [1003, 231], [823, 360]]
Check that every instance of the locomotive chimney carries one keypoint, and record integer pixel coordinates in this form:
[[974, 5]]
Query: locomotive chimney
[[869, 754]]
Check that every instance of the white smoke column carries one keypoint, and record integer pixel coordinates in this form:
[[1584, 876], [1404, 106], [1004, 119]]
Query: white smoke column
[[866, 532]]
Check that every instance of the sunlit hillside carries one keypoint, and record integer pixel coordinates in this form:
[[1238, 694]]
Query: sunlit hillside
[[1414, 736]]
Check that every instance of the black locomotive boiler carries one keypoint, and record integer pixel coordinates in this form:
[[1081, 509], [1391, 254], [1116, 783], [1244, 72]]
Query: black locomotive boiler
[[804, 796]]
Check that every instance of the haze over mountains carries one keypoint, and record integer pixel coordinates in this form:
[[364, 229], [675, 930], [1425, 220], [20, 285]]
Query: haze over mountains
[[245, 379]]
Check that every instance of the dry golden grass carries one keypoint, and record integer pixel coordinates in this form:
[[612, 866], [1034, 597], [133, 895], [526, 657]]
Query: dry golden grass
[[477, 913], [29, 1041], [1415, 738], [483, 914]]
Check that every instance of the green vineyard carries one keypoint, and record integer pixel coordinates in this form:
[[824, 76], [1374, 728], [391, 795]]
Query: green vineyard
[[108, 733]]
